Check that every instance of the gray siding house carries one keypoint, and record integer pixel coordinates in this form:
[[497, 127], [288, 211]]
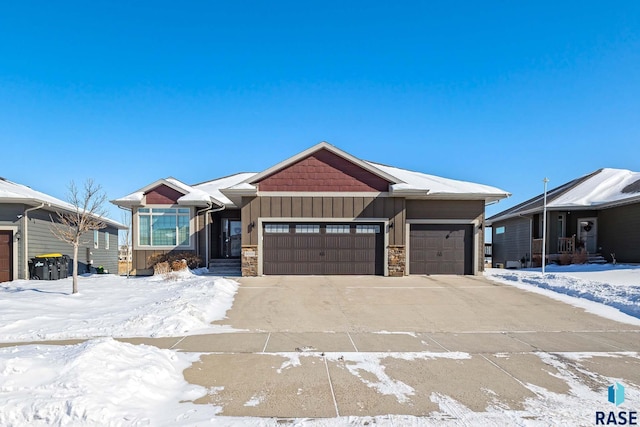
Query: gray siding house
[[320, 212], [26, 216], [593, 218]]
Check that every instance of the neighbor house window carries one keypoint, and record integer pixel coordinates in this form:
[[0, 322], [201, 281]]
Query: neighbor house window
[[500, 230], [367, 229], [106, 240], [164, 226], [96, 238], [338, 229]]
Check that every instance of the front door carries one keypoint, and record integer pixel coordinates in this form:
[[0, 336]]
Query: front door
[[588, 234], [231, 238]]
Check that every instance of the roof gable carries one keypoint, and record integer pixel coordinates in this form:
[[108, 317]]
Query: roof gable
[[324, 146], [162, 195], [323, 170]]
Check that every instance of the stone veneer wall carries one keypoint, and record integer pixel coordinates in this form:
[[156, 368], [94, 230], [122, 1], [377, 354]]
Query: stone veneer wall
[[397, 260], [249, 260]]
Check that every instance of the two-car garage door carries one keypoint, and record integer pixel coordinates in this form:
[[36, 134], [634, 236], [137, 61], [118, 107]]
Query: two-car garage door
[[295, 248], [312, 248], [441, 249]]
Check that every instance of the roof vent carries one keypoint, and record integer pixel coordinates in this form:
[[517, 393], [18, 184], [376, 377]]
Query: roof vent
[[634, 187]]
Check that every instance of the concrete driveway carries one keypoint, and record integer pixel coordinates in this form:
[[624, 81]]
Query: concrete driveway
[[344, 345]]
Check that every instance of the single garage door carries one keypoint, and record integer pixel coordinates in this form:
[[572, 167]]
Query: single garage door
[[308, 248], [441, 249], [6, 256]]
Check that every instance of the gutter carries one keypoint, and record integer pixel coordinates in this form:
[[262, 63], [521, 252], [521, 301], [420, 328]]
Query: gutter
[[25, 238]]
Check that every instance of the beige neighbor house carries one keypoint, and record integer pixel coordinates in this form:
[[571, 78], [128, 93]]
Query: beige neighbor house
[[594, 218], [320, 212]]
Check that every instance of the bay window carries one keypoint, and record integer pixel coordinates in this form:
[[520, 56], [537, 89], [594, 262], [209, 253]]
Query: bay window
[[164, 227]]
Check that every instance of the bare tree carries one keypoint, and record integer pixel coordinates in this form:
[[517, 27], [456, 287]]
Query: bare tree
[[87, 216], [125, 239]]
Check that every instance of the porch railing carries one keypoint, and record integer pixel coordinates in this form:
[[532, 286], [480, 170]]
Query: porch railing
[[566, 245], [536, 247]]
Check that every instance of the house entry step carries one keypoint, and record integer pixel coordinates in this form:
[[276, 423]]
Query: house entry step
[[225, 267]]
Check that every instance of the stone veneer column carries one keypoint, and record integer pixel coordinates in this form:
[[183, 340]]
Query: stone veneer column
[[397, 260], [249, 260]]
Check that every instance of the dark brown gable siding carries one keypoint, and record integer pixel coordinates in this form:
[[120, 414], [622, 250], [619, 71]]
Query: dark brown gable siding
[[323, 171], [162, 195]]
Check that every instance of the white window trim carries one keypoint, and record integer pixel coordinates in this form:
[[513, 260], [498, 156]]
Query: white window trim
[[96, 239], [106, 240], [136, 234]]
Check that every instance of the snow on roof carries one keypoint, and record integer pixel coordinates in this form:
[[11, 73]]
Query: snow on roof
[[599, 189], [436, 185], [12, 192], [213, 187], [607, 186]]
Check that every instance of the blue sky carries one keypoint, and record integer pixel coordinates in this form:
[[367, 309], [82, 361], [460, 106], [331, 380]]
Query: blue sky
[[500, 93]]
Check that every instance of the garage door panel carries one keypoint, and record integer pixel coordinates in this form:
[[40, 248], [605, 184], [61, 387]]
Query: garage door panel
[[440, 249], [326, 250]]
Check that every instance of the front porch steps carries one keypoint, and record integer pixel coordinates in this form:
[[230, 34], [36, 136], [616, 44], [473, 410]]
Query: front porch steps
[[228, 267], [596, 259]]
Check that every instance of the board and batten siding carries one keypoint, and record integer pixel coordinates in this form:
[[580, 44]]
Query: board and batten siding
[[619, 233], [42, 241], [512, 245], [319, 208]]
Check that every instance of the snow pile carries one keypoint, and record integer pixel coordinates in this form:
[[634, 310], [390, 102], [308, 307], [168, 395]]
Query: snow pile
[[99, 382], [615, 286], [107, 305]]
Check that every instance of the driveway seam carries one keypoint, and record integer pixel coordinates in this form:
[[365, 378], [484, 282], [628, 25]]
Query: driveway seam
[[266, 343], [510, 375], [352, 343], [333, 395]]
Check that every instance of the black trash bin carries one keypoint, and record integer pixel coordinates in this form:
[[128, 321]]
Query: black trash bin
[[40, 269], [64, 267], [54, 267]]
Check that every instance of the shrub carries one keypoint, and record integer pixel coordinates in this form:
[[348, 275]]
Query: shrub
[[179, 265], [564, 259], [191, 259], [161, 268], [580, 257]]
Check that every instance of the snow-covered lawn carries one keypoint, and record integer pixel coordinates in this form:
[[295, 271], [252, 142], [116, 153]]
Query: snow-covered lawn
[[612, 291], [114, 306], [110, 383]]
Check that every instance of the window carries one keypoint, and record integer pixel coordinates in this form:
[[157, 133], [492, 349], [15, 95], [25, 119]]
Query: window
[[367, 229], [96, 238], [276, 228], [500, 230], [337, 229], [307, 228], [164, 226], [561, 227], [106, 240]]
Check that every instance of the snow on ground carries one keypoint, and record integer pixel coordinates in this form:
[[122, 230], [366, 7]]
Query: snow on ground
[[108, 305], [611, 291]]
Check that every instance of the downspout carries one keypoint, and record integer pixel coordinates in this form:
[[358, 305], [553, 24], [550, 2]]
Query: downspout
[[25, 237], [208, 209]]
